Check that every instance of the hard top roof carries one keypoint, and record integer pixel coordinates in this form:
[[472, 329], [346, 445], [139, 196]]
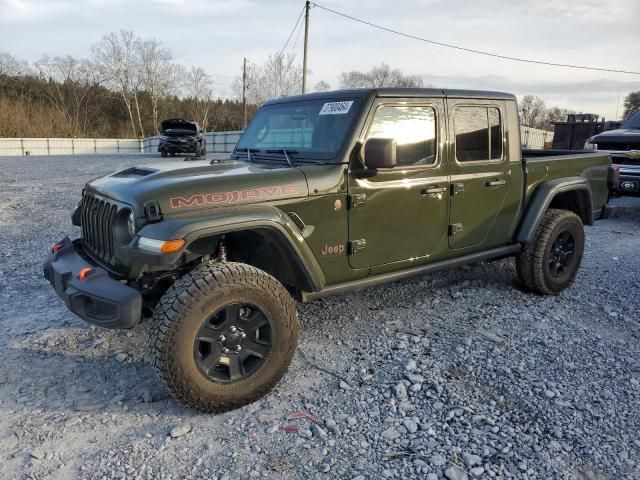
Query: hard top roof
[[397, 92]]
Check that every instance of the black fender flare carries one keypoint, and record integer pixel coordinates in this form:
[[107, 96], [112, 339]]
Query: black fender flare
[[542, 198], [226, 220]]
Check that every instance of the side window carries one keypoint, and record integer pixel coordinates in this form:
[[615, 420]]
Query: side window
[[478, 133], [495, 133], [413, 128]]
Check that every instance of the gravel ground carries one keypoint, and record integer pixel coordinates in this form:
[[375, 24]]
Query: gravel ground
[[453, 375]]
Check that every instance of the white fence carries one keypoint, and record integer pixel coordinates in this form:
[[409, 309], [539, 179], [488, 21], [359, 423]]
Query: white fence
[[68, 146], [534, 137], [217, 142]]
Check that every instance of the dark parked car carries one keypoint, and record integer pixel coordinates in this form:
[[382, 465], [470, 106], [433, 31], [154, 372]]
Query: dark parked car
[[624, 146], [181, 136]]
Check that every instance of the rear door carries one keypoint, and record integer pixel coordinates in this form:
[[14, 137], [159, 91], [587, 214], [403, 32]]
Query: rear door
[[401, 213], [480, 172]]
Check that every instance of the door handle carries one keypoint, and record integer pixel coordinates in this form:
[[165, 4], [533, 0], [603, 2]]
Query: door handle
[[433, 190], [494, 183]]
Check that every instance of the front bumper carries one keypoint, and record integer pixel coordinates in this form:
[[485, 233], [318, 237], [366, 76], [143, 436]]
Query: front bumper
[[177, 147], [99, 299], [629, 183]]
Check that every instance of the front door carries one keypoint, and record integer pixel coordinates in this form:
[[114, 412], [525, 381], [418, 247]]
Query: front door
[[401, 213], [480, 172]]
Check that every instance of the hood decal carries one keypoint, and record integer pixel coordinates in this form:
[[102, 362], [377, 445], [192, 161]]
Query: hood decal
[[234, 197]]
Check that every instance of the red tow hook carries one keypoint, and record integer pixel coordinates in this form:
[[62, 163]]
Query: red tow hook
[[56, 247], [84, 273]]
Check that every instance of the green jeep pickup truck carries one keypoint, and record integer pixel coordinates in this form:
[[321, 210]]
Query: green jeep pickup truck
[[324, 193]]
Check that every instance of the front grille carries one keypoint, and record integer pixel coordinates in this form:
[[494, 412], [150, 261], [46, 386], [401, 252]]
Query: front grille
[[622, 159], [617, 146], [98, 219]]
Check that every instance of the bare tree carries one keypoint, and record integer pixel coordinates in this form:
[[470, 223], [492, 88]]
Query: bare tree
[[10, 65], [631, 103], [322, 86], [70, 84], [279, 76], [199, 89], [532, 111], [160, 77], [554, 114], [378, 77], [116, 57]]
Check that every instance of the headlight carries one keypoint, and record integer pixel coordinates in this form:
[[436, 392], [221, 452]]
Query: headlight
[[131, 225], [124, 228], [160, 246], [76, 215], [588, 145]]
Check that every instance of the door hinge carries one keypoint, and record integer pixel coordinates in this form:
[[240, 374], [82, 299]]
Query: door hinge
[[356, 199], [356, 246], [455, 229], [456, 188]]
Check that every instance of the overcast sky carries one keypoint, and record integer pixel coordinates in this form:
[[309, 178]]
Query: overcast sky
[[218, 34]]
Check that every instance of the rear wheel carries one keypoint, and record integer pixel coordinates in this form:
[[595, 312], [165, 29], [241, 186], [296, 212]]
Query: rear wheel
[[223, 335], [550, 262]]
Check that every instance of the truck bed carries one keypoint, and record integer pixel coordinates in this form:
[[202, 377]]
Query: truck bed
[[545, 165]]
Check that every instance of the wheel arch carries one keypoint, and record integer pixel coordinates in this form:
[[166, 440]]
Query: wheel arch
[[572, 194], [260, 235], [267, 248]]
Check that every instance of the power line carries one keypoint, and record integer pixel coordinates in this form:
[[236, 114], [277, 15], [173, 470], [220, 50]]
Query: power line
[[291, 34], [295, 42], [471, 50]]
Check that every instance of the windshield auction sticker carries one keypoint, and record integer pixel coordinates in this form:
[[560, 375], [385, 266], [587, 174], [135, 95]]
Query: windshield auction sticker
[[336, 108]]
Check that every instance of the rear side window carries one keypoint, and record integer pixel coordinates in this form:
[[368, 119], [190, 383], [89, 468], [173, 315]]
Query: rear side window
[[413, 128], [478, 133]]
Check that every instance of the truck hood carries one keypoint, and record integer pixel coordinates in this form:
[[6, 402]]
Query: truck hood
[[620, 139], [181, 186]]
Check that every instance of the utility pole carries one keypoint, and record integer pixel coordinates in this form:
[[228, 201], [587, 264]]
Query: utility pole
[[244, 94], [306, 43]]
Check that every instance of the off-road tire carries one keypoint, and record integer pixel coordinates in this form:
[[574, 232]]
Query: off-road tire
[[163, 154], [184, 308], [532, 264]]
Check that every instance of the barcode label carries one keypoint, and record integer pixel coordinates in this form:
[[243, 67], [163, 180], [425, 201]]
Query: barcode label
[[336, 108]]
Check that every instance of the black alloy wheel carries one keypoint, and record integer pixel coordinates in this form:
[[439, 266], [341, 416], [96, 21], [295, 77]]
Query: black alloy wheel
[[562, 254], [233, 343]]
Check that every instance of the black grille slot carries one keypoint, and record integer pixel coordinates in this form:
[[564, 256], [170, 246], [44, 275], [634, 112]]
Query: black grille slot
[[619, 160], [615, 146], [98, 219], [296, 220]]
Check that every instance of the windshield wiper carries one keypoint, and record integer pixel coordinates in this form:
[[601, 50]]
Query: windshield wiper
[[286, 154], [248, 150]]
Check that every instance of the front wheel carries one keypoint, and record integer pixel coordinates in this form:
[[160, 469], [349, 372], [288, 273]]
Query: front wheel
[[550, 262], [223, 335]]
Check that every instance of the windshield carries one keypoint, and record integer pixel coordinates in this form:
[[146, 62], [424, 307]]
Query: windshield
[[632, 122], [315, 129]]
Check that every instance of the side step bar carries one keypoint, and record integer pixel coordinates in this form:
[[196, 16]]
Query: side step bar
[[493, 254]]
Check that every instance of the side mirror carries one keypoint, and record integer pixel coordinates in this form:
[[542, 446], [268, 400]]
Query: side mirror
[[380, 153]]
